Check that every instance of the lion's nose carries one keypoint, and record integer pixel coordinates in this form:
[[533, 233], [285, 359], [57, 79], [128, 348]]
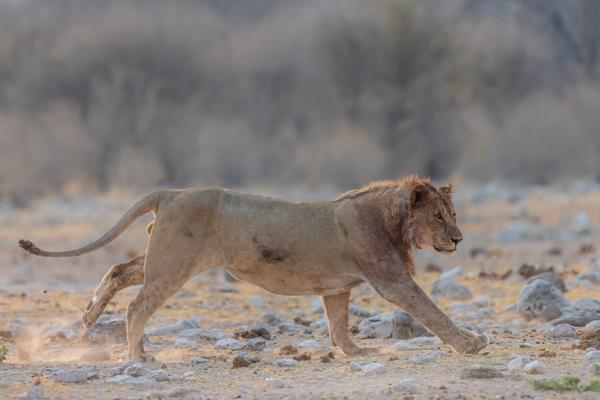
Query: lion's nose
[[457, 240]]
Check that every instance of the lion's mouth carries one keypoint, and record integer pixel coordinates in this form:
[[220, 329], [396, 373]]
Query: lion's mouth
[[441, 250]]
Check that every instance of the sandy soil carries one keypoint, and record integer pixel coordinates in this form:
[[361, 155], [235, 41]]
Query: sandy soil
[[510, 226]]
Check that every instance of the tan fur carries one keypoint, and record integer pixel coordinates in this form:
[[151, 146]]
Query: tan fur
[[291, 248]]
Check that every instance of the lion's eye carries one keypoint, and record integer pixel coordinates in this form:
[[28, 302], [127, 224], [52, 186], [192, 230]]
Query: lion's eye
[[438, 216]]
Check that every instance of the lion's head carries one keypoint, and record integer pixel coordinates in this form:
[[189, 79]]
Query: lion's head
[[433, 218]]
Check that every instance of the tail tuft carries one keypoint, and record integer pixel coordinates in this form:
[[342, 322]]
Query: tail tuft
[[29, 246]]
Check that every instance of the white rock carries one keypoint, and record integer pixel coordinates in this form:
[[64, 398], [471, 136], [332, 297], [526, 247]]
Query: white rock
[[160, 375], [119, 379], [183, 392], [169, 330], [594, 368], [407, 385], [142, 382], [286, 362], [562, 330], [581, 223], [229, 343], [71, 376], [452, 274], [309, 344], [276, 383], [35, 393], [518, 363], [428, 357], [593, 355], [255, 344], [540, 299], [373, 369], [354, 366], [136, 370], [535, 367], [317, 306], [416, 343]]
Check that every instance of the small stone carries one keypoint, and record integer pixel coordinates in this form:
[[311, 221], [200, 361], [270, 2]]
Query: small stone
[[396, 324], [481, 372], [580, 313], [185, 343], [202, 334], [35, 393], [359, 311], [142, 382], [135, 370], [428, 357], [594, 368], [592, 328], [253, 333], [354, 366], [309, 344], [562, 330], [373, 369], [277, 383], [71, 376], [535, 367], [542, 300], [407, 385], [241, 361], [593, 356], [174, 329], [581, 223], [271, 319], [552, 278], [326, 358], [119, 379], [107, 329], [255, 344], [317, 306], [286, 362], [287, 350], [229, 344], [159, 375], [198, 361], [258, 302], [518, 363], [446, 287]]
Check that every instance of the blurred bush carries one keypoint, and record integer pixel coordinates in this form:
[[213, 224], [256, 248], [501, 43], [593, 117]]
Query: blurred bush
[[282, 92]]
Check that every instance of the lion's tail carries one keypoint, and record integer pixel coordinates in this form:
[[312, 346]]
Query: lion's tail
[[145, 205]]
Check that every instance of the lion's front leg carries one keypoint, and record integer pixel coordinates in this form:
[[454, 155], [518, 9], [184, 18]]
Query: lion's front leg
[[404, 292], [336, 308]]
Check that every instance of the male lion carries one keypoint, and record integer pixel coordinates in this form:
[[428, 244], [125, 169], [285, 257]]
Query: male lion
[[290, 248]]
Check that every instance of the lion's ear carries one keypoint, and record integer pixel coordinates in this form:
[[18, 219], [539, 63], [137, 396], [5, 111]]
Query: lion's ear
[[419, 195], [447, 189]]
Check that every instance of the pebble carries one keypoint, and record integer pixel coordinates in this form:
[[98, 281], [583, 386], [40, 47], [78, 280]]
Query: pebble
[[242, 360], [136, 370], [174, 329], [562, 330], [428, 357], [396, 324], [183, 392], [229, 343], [277, 383], [309, 344], [373, 369], [580, 313], [593, 355], [542, 300], [160, 375], [255, 344], [448, 288], [407, 385], [35, 393], [518, 363], [594, 368], [71, 376], [592, 328], [481, 372], [535, 367], [286, 362], [271, 318]]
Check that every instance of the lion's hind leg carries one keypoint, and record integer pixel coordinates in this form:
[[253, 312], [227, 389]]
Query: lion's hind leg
[[336, 307], [116, 279]]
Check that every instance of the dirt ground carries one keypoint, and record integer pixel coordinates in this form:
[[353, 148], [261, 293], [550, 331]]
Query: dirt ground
[[42, 300]]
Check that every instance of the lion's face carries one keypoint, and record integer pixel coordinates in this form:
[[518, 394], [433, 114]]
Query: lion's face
[[434, 218]]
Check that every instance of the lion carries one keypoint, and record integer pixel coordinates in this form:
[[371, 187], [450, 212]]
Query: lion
[[321, 248]]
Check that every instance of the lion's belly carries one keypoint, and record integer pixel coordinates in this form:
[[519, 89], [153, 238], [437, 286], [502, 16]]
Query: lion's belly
[[297, 280]]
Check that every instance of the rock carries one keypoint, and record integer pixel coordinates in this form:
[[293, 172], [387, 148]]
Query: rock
[[119, 379], [203, 334], [143, 382], [107, 329], [466, 312], [286, 362], [417, 343], [63, 332], [482, 301], [579, 313], [481, 372], [35, 393], [255, 344], [277, 383], [562, 330], [594, 368], [287, 326], [160, 375], [540, 299], [452, 274], [243, 360], [136, 370], [174, 329], [271, 319], [253, 333], [309, 345], [373, 369], [198, 361], [71, 376], [428, 357], [183, 393], [593, 356], [185, 343], [535, 367], [258, 302], [396, 325], [320, 327], [288, 350], [592, 328], [225, 288], [552, 278], [229, 344], [407, 385], [354, 366], [446, 287], [518, 363], [326, 358], [588, 278]]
